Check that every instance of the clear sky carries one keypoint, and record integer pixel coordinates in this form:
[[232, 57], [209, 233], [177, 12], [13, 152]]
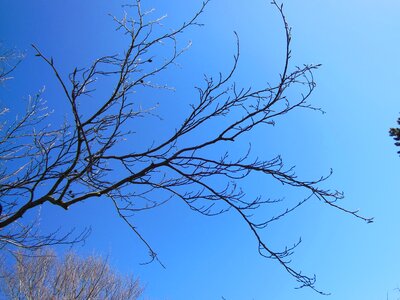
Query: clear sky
[[357, 42]]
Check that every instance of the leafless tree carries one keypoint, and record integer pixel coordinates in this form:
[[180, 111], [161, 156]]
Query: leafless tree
[[41, 275], [92, 155]]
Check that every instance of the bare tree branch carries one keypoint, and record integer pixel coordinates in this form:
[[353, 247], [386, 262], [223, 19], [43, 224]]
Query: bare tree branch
[[9, 60], [84, 157]]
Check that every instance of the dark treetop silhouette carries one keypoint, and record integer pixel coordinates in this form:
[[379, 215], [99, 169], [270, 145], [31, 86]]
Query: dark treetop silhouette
[[83, 157], [395, 133]]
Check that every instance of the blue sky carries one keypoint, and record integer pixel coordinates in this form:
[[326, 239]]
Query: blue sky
[[357, 42]]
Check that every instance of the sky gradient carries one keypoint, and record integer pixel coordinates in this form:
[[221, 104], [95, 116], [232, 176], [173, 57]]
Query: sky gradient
[[357, 43]]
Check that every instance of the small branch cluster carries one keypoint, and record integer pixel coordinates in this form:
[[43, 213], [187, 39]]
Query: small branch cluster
[[9, 60]]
